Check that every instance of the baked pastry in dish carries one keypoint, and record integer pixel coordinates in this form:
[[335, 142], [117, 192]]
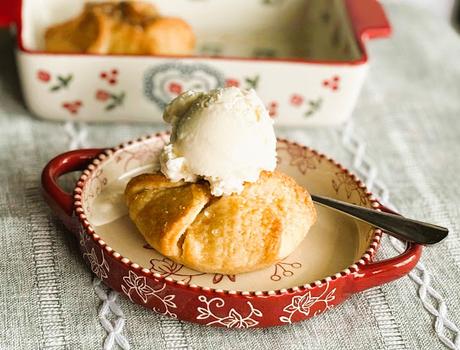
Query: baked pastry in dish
[[121, 28], [229, 234]]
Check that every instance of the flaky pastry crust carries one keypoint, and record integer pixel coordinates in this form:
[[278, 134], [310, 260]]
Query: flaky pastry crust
[[230, 234], [121, 28]]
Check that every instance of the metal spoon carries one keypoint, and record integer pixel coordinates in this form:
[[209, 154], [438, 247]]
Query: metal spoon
[[395, 225]]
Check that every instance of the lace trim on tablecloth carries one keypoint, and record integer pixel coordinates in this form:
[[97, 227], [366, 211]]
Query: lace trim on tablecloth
[[433, 302], [111, 316]]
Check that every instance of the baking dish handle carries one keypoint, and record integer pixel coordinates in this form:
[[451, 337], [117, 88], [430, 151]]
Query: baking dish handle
[[10, 12], [377, 273], [368, 19], [60, 201]]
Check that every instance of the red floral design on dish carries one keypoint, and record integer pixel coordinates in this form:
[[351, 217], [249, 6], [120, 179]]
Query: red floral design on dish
[[43, 76], [312, 105], [98, 183], [273, 109], [102, 95], [332, 83], [284, 269], [300, 157], [232, 82], [350, 186], [114, 99], [219, 277], [111, 76], [141, 156], [60, 81], [296, 100], [73, 107], [167, 267], [175, 88]]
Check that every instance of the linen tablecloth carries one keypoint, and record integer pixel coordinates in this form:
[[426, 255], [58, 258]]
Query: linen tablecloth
[[404, 141]]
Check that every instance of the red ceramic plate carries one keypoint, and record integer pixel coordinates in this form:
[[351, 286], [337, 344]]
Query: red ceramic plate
[[333, 262]]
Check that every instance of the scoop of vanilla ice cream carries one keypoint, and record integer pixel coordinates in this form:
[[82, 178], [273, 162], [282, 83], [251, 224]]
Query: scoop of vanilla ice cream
[[224, 136]]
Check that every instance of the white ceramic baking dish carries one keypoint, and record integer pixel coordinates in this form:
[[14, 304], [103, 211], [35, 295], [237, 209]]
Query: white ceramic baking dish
[[305, 58]]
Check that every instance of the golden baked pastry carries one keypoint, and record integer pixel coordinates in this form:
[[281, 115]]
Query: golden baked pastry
[[230, 234], [121, 28]]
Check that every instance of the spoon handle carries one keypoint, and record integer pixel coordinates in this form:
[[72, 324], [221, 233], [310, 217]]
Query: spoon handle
[[395, 225]]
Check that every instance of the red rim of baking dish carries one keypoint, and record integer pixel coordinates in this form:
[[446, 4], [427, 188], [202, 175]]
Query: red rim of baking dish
[[366, 17]]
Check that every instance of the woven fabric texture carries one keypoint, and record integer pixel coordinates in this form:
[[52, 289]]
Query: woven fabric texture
[[404, 140]]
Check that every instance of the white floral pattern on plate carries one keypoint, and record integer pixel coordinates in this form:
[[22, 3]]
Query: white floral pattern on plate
[[100, 269], [138, 285], [304, 303], [233, 319]]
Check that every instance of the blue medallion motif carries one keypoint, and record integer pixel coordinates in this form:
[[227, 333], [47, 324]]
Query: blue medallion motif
[[165, 81]]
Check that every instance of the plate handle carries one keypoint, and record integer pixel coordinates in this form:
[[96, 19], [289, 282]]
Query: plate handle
[[60, 201], [380, 272], [368, 19]]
